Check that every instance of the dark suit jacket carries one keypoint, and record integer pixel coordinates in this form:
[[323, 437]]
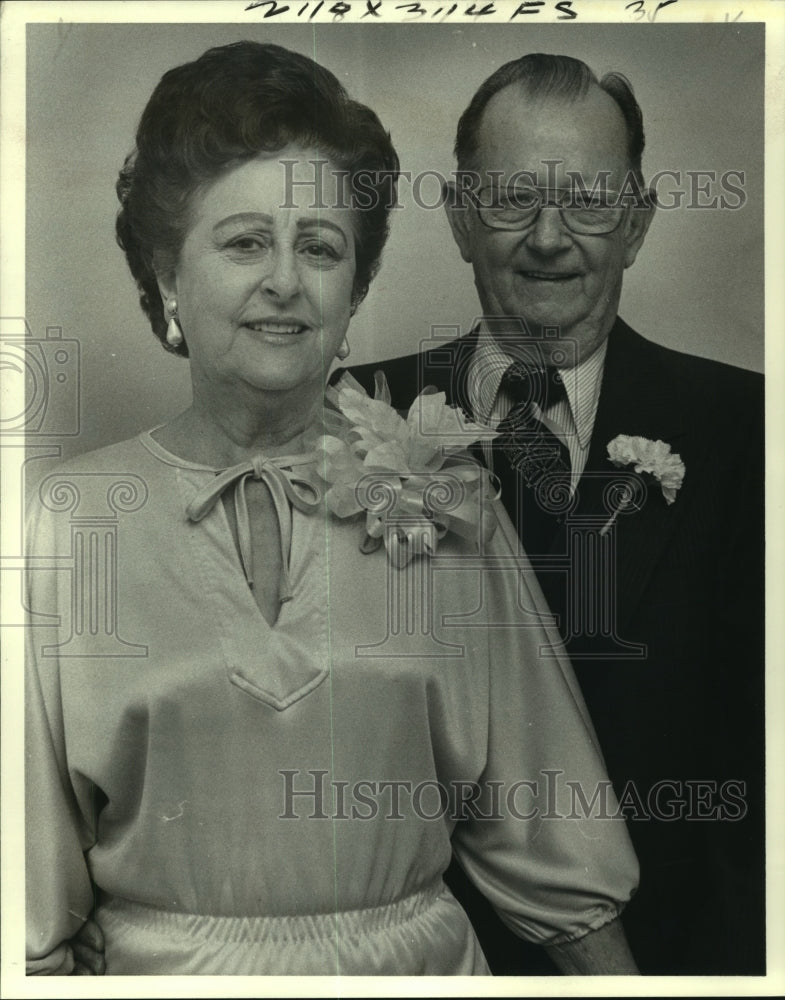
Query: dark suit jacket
[[681, 726]]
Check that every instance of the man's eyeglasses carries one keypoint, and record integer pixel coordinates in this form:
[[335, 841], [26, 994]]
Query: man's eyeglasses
[[588, 213]]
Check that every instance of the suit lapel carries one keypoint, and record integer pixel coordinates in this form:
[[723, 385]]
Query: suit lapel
[[637, 397], [447, 369]]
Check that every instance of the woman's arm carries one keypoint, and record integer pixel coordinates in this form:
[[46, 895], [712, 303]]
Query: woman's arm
[[59, 893], [549, 848]]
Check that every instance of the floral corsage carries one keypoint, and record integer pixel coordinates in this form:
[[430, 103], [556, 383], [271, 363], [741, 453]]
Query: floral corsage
[[411, 475], [653, 457]]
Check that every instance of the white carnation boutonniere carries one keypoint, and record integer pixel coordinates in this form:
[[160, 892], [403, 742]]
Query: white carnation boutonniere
[[410, 475], [653, 457]]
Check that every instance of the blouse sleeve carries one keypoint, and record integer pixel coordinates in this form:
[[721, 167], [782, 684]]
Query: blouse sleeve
[[59, 890], [543, 841]]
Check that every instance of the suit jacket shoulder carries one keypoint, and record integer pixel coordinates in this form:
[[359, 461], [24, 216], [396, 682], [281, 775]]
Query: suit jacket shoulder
[[656, 392], [637, 368], [641, 378], [444, 366]]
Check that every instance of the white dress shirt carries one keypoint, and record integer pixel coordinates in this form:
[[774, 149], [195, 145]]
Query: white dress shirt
[[570, 419]]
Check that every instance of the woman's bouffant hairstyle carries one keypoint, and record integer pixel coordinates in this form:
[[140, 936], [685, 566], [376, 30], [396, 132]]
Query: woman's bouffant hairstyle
[[233, 103]]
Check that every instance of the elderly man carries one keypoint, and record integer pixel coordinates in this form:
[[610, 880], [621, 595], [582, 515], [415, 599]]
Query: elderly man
[[656, 576]]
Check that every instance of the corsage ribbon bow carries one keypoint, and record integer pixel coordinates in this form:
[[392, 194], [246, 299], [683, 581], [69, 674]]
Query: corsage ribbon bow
[[421, 510], [410, 475], [285, 486]]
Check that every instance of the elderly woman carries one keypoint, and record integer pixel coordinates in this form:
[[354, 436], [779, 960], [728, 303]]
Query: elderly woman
[[257, 734]]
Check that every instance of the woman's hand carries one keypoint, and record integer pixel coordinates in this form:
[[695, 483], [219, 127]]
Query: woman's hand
[[88, 948]]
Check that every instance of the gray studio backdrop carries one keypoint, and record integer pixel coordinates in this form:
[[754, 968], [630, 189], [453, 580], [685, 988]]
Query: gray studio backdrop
[[697, 284]]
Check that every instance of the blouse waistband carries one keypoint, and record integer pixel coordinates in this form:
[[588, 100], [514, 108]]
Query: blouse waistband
[[300, 927]]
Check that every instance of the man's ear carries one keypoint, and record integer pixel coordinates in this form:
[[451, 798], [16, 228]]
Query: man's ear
[[457, 208], [637, 224]]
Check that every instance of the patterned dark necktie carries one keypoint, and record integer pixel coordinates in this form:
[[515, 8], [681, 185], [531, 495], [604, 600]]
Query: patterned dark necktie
[[532, 463]]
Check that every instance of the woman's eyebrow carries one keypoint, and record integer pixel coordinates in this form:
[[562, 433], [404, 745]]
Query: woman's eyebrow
[[318, 222], [243, 219]]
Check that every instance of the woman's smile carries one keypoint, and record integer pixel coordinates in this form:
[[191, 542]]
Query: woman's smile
[[278, 330]]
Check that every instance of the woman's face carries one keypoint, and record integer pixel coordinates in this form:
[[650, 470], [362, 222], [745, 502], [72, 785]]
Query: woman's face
[[265, 276]]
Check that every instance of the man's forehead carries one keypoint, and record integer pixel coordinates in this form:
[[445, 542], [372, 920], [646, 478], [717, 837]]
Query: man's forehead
[[584, 133]]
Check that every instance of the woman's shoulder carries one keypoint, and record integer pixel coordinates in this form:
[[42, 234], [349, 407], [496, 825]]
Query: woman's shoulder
[[122, 457], [110, 480]]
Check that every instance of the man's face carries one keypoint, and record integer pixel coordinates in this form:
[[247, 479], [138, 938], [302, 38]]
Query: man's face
[[546, 274]]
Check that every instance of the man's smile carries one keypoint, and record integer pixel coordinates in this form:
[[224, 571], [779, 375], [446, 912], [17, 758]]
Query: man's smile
[[548, 276]]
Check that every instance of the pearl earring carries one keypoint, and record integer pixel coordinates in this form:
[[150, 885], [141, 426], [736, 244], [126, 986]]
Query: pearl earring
[[343, 351], [174, 335]]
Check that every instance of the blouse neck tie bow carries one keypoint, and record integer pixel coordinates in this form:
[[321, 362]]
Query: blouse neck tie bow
[[286, 487]]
